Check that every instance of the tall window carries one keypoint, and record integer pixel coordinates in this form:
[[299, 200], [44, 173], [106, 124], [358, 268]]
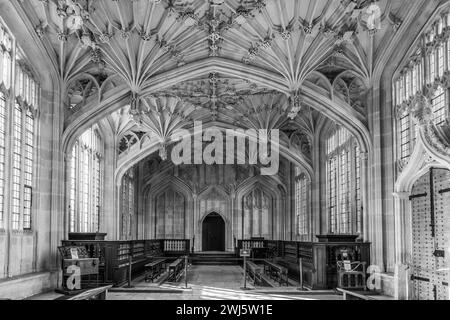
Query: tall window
[[301, 202], [359, 208], [343, 174], [19, 102], [425, 70], [5, 84], [85, 182], [5, 58], [439, 106], [405, 136], [2, 158], [128, 204]]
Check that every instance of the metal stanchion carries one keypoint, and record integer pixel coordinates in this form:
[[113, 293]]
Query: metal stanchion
[[245, 273], [185, 272], [300, 262], [245, 254], [130, 263]]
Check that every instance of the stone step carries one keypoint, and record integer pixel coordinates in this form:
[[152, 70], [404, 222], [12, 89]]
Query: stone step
[[214, 258]]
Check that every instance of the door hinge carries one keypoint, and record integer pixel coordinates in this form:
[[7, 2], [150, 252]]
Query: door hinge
[[413, 277], [444, 191], [421, 195], [439, 253]]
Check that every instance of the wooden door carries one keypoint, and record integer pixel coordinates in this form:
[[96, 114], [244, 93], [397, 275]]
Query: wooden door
[[430, 201], [213, 233]]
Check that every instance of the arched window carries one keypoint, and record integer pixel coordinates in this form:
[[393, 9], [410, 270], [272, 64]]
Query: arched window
[[19, 102], [425, 69], [343, 181], [86, 182], [2, 158], [302, 203]]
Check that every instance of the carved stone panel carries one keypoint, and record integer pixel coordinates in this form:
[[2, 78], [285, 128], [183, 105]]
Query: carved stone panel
[[170, 215], [257, 214]]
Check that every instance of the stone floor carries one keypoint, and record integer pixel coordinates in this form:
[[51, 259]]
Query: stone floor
[[206, 283], [212, 283]]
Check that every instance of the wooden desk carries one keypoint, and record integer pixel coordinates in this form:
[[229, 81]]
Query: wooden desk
[[176, 270], [154, 269], [276, 272], [254, 271]]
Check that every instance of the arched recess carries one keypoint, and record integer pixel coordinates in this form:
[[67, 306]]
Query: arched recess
[[155, 193], [322, 225], [420, 163], [277, 194], [346, 116], [48, 197], [388, 63], [93, 112], [214, 199], [308, 231]]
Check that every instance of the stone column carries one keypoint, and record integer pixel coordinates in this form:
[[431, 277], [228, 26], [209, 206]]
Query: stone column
[[109, 217], [402, 247], [402, 227], [232, 214], [194, 219], [364, 156]]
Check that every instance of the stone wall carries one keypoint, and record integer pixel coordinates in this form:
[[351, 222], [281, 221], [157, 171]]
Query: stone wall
[[177, 199]]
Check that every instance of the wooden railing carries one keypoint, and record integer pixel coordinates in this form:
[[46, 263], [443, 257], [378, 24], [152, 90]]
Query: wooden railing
[[176, 246], [115, 256], [318, 260], [252, 244]]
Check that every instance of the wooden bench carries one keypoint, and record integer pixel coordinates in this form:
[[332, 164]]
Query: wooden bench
[[176, 270], [254, 271], [276, 272], [92, 294], [154, 269]]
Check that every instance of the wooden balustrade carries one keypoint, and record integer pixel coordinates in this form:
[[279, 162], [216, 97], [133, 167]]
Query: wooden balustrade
[[251, 244], [179, 247]]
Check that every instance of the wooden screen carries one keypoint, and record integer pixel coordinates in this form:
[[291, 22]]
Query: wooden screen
[[430, 201]]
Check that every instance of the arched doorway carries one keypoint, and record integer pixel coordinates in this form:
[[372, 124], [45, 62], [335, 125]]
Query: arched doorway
[[213, 233], [430, 203]]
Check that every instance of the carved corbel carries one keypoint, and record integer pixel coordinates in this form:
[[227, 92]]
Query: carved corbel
[[296, 104], [135, 109], [421, 110], [163, 150], [401, 195], [434, 138]]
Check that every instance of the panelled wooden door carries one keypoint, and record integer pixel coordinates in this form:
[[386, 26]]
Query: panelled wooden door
[[213, 233], [430, 201]]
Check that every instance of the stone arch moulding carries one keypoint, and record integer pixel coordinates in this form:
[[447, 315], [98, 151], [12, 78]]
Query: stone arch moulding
[[152, 192], [221, 204], [137, 154], [121, 96], [423, 158], [272, 188], [420, 162]]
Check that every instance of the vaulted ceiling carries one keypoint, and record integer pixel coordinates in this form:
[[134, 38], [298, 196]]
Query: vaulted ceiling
[[252, 62]]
